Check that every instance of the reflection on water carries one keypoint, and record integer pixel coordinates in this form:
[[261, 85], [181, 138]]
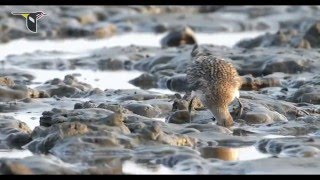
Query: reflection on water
[[224, 153], [232, 154], [218, 152]]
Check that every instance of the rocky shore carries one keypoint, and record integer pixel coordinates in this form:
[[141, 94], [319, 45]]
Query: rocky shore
[[87, 130]]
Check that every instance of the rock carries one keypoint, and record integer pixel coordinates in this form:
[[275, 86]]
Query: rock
[[54, 116], [110, 64], [178, 38], [18, 76], [68, 87], [312, 35], [303, 126], [267, 165], [136, 94], [280, 38], [263, 115], [178, 83], [160, 28], [87, 19], [113, 58], [267, 109], [116, 119], [179, 117], [307, 151], [6, 81], [115, 135], [251, 83], [38, 164], [15, 168], [307, 93], [179, 103], [143, 109], [77, 32], [205, 9], [7, 93], [145, 81], [150, 62], [207, 127], [290, 147], [17, 140], [297, 38], [114, 108], [40, 60], [106, 31], [14, 133], [84, 105], [285, 65], [45, 138]]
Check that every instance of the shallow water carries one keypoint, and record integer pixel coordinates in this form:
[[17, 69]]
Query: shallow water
[[141, 39], [224, 153], [97, 79], [31, 118], [130, 167], [15, 153]]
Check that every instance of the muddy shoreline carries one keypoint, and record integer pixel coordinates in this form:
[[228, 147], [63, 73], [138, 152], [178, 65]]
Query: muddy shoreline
[[82, 120]]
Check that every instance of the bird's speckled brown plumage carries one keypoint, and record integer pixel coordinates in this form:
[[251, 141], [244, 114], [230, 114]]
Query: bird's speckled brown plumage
[[216, 82]]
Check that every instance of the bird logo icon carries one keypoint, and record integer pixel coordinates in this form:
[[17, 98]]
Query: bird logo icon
[[31, 19]]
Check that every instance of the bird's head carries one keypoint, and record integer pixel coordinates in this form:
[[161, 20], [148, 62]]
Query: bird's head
[[222, 116]]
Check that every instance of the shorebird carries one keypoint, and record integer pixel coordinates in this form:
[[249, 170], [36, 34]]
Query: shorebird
[[216, 83]]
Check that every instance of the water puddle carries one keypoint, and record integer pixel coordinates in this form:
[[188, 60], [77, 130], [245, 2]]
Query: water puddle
[[30, 118], [142, 39], [14, 153], [97, 79], [218, 152], [130, 167], [162, 91], [223, 153], [232, 154]]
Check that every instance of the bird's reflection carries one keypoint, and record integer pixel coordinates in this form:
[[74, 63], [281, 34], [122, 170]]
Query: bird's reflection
[[224, 153]]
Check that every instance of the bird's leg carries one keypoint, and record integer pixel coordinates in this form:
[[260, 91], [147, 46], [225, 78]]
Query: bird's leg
[[240, 107], [190, 106]]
